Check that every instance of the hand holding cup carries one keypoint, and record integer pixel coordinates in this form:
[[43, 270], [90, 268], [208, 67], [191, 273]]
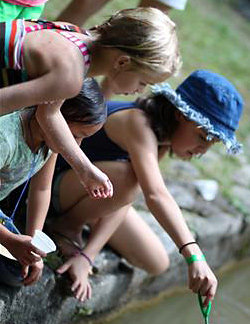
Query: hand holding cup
[[43, 242]]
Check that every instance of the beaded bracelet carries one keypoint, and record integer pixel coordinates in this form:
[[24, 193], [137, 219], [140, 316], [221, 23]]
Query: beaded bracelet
[[182, 247], [80, 252], [192, 258]]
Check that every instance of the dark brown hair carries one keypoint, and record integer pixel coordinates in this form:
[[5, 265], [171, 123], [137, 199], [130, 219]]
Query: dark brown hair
[[161, 114], [88, 107]]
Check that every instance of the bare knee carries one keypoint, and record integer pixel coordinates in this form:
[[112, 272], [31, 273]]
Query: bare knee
[[124, 180], [155, 265], [159, 266]]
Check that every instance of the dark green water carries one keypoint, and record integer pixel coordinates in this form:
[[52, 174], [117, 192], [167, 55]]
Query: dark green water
[[232, 304]]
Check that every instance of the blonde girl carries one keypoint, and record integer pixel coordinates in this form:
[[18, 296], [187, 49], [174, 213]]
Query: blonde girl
[[43, 63]]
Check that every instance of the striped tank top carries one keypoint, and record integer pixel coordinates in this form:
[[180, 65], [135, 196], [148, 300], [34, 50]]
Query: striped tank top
[[12, 35]]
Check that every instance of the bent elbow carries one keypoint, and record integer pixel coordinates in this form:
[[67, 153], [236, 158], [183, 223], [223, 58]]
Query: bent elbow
[[154, 198], [160, 266], [67, 81], [70, 87]]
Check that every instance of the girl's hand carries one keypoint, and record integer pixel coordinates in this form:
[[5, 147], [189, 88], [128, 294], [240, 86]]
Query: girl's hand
[[32, 276], [97, 184], [203, 280], [78, 269], [21, 248]]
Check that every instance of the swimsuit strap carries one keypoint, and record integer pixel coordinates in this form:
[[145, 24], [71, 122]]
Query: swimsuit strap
[[79, 43], [64, 30], [44, 24]]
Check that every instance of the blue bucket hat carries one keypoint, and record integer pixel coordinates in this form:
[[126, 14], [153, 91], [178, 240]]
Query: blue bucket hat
[[211, 101]]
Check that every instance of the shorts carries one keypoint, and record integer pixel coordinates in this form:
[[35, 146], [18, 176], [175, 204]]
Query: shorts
[[176, 4], [10, 272], [9, 11]]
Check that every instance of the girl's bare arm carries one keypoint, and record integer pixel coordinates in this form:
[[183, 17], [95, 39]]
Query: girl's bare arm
[[45, 88], [55, 127], [78, 266], [39, 196], [143, 149]]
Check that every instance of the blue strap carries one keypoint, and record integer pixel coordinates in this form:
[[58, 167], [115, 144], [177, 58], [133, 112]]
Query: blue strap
[[8, 222], [25, 186]]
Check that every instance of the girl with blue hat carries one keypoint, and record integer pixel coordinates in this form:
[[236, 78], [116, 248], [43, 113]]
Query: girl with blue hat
[[211, 101], [203, 110]]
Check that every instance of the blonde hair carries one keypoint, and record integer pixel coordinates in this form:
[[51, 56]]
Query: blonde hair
[[147, 35]]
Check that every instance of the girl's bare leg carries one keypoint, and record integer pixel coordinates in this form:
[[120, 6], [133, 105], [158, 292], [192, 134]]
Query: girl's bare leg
[[78, 11], [130, 230], [79, 209], [155, 4], [137, 243]]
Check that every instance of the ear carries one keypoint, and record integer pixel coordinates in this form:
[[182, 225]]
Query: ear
[[122, 61]]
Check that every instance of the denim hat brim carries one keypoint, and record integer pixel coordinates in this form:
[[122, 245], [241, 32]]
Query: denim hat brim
[[212, 126]]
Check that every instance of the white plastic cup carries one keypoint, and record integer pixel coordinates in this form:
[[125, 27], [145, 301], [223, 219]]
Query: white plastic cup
[[43, 242]]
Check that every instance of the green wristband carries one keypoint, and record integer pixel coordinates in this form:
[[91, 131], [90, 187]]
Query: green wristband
[[194, 258]]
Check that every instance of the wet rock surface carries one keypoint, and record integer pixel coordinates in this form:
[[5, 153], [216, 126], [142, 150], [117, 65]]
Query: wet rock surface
[[222, 231]]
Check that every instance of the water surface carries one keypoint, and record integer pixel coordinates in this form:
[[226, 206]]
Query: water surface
[[232, 304]]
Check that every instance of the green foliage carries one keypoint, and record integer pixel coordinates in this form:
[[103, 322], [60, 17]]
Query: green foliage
[[214, 36], [53, 260], [82, 313], [237, 203]]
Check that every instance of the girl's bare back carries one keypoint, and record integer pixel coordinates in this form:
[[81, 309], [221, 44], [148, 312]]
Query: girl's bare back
[[46, 50]]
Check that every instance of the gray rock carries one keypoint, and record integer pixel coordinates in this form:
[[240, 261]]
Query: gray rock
[[182, 170], [222, 236], [242, 176], [242, 195]]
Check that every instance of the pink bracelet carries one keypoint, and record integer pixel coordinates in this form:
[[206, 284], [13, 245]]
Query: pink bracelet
[[80, 252]]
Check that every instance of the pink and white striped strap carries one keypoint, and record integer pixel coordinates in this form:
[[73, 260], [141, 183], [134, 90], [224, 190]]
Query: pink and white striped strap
[[79, 43]]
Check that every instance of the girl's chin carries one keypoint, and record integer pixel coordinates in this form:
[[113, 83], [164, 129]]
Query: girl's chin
[[122, 93], [183, 156]]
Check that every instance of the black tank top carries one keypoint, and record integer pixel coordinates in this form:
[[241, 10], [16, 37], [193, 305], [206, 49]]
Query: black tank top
[[99, 147]]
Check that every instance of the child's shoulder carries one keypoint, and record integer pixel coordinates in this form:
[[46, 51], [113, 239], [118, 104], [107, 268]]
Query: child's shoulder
[[10, 134], [10, 122]]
